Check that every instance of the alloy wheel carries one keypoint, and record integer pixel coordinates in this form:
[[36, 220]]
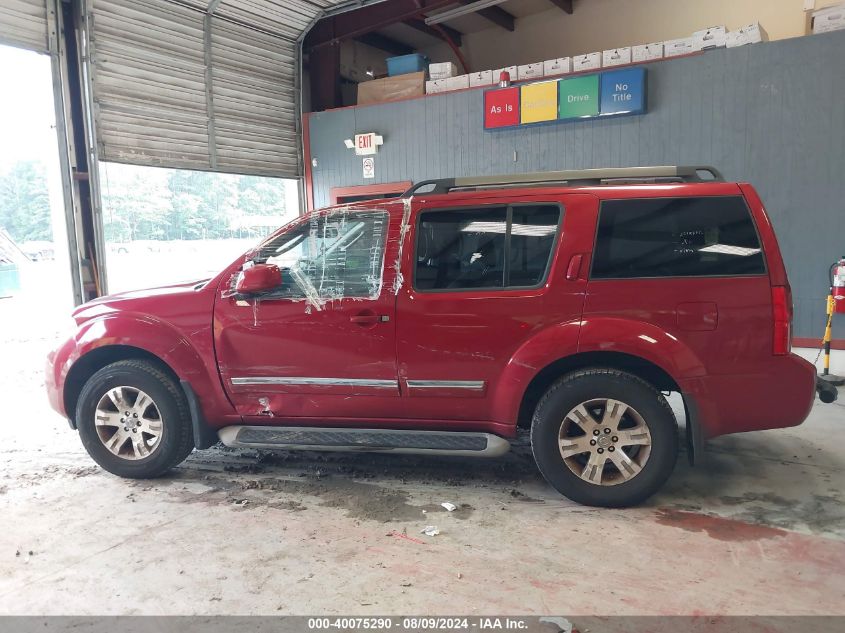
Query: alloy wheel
[[604, 442], [128, 423]]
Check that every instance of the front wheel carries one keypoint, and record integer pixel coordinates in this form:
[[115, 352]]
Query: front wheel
[[604, 437], [133, 420]]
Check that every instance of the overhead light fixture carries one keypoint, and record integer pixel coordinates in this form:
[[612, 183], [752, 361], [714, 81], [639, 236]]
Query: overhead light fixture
[[472, 7]]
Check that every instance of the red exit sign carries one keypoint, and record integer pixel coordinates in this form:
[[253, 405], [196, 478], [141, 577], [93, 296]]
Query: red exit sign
[[501, 108], [367, 144]]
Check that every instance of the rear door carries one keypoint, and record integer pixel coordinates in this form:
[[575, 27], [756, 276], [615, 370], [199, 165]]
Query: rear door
[[483, 278]]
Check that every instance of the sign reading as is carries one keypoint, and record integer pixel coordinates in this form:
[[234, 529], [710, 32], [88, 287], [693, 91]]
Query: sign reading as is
[[501, 108]]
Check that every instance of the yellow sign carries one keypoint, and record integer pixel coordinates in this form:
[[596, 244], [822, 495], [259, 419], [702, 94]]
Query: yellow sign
[[538, 102]]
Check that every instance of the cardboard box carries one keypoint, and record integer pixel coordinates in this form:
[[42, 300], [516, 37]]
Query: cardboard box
[[559, 66], [484, 78], [713, 37], [829, 19], [590, 61], [647, 52], [391, 88], [433, 86], [682, 46], [616, 56], [529, 71], [457, 83], [442, 70], [749, 34], [497, 73]]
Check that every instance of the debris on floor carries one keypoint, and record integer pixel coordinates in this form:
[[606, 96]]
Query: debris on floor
[[430, 530], [450, 507]]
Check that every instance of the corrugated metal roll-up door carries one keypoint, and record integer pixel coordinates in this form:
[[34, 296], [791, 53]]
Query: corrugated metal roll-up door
[[148, 80], [253, 100], [23, 23], [200, 84]]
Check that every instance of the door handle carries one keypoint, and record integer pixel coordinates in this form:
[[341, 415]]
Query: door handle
[[574, 267], [368, 318]]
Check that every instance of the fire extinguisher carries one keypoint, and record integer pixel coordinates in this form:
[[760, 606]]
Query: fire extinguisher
[[837, 284]]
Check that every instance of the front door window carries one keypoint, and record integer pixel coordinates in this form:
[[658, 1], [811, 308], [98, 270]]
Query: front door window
[[331, 257]]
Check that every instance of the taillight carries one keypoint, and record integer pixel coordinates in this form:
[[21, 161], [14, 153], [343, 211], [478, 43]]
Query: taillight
[[782, 315]]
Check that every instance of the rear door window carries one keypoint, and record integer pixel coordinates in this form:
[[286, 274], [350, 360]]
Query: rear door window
[[676, 237], [491, 247]]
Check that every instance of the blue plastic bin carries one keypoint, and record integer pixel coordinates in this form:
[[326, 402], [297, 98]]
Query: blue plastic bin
[[405, 64]]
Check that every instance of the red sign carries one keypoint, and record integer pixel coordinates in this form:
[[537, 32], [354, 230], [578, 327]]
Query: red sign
[[501, 108]]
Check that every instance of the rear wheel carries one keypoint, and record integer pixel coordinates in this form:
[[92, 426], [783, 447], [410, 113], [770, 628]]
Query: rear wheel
[[604, 437], [133, 420]]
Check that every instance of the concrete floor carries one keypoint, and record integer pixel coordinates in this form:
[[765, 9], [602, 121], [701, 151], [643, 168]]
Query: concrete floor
[[759, 529]]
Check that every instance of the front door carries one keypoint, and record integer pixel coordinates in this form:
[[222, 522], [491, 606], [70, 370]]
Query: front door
[[322, 345], [485, 278]]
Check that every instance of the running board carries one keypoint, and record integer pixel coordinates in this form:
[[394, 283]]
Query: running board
[[306, 438]]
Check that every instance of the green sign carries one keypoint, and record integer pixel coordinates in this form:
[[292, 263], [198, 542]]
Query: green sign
[[579, 97]]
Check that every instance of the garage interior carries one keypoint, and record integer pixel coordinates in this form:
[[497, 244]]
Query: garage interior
[[152, 142]]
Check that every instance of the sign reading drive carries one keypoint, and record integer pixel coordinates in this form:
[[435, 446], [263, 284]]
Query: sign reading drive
[[614, 93]]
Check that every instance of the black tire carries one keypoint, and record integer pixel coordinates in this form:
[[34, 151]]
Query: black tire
[[176, 441], [594, 384]]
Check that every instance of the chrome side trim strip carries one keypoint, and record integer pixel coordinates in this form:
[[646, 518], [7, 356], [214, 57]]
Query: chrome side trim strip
[[473, 385], [320, 382]]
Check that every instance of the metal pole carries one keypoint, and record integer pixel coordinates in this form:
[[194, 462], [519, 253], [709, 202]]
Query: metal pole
[[826, 375], [57, 59]]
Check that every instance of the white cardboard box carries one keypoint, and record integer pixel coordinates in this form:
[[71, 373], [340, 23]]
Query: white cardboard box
[[559, 66], [497, 73], [529, 71], [433, 86], [457, 83], [829, 19], [442, 70], [749, 34], [682, 46], [712, 37], [647, 52], [484, 78], [590, 61], [616, 56]]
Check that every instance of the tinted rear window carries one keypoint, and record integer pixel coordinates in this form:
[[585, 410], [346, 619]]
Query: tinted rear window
[[676, 237], [492, 247]]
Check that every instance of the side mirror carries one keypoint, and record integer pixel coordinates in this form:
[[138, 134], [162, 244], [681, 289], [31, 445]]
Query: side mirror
[[258, 278]]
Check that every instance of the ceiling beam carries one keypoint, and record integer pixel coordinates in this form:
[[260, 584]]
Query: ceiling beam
[[453, 34], [565, 5], [496, 15], [384, 43], [369, 18]]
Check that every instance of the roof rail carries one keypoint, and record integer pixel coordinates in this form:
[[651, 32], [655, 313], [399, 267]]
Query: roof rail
[[572, 178]]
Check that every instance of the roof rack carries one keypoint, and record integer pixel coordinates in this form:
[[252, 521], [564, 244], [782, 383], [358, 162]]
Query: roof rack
[[573, 178]]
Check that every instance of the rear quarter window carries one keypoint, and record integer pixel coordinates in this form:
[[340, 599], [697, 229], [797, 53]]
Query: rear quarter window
[[676, 237]]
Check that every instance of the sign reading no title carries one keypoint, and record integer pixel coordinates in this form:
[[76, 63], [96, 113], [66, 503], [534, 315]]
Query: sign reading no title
[[614, 93]]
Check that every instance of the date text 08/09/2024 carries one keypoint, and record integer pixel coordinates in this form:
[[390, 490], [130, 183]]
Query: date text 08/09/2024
[[424, 623]]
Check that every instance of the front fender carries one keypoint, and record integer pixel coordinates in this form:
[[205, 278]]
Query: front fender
[[190, 356]]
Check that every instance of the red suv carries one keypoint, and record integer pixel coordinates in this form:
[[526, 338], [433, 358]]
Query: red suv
[[443, 321]]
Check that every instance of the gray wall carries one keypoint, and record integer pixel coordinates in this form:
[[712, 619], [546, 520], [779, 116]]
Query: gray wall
[[772, 114]]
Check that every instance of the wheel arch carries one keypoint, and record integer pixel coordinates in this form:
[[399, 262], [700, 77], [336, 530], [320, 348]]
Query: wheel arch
[[94, 360], [636, 365]]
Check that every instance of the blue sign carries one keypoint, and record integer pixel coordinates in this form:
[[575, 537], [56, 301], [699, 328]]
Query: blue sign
[[623, 92]]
